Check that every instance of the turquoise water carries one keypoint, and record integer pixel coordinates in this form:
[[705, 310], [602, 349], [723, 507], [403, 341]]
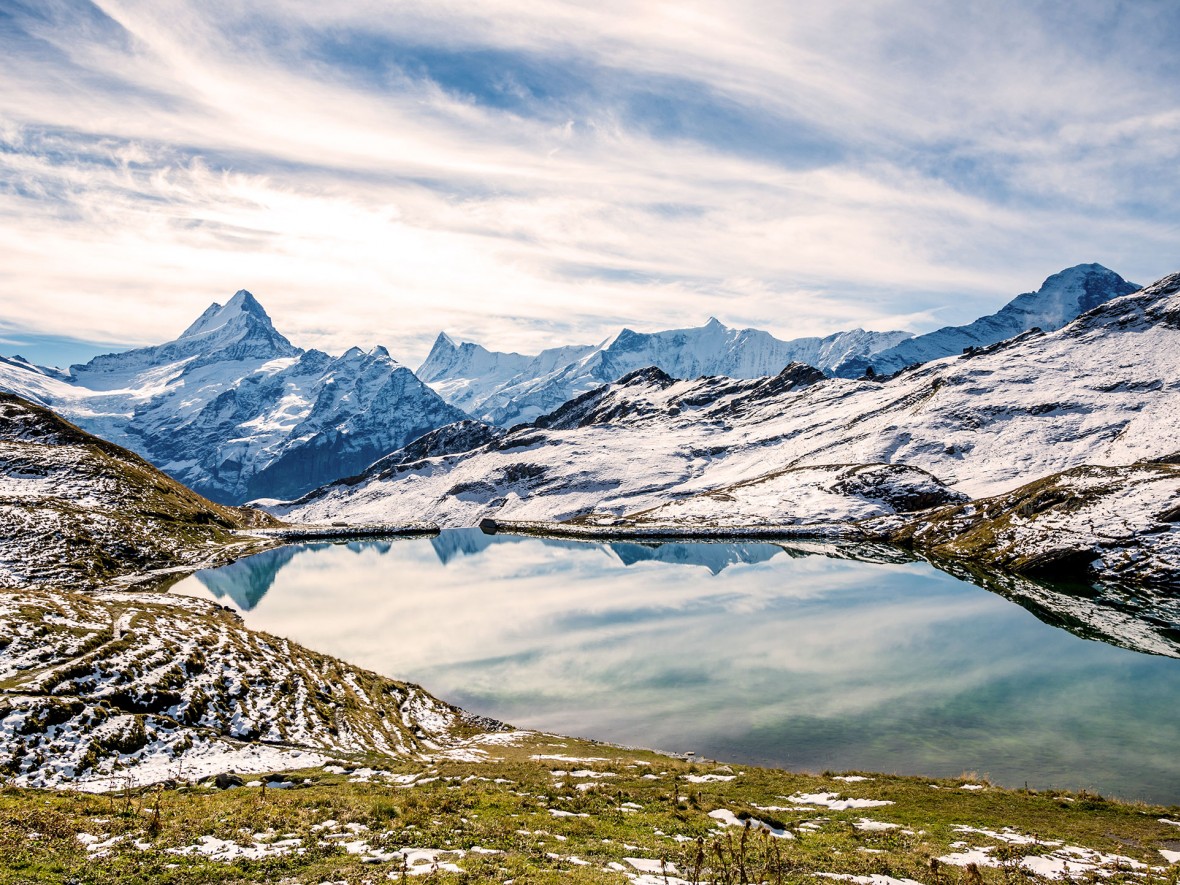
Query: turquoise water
[[743, 652]]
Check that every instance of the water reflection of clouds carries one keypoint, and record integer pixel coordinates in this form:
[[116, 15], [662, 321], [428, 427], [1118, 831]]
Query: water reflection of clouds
[[779, 659]]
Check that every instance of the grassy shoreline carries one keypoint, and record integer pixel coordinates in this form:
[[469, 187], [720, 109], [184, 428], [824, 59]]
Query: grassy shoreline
[[531, 807]]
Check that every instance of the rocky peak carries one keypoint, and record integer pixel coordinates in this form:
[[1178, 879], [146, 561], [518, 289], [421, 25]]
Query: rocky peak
[[1062, 297], [239, 331], [442, 356], [242, 308], [1065, 295], [242, 327]]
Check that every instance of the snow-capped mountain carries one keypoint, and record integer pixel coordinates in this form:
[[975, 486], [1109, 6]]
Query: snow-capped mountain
[[1105, 389], [469, 376], [234, 410], [509, 388], [1061, 298], [239, 332]]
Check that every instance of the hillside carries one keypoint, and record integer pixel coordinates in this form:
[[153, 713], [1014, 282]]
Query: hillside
[[234, 410], [81, 512], [101, 690], [1121, 523], [1102, 390]]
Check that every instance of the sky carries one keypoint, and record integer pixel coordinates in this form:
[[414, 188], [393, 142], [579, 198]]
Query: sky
[[526, 174]]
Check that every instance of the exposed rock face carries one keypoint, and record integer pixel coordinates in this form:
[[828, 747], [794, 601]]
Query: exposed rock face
[[1119, 523], [234, 410]]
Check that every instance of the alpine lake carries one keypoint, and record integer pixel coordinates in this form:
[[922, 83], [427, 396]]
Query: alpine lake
[[810, 657]]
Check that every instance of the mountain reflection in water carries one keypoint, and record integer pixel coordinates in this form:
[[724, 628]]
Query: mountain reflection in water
[[808, 656], [246, 581]]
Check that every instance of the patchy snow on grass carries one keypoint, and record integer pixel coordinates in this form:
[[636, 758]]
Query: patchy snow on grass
[[874, 879], [502, 738], [727, 818], [874, 826], [464, 754], [423, 861], [583, 772], [204, 759], [1009, 835], [585, 760], [834, 802], [650, 865], [1061, 862], [228, 851]]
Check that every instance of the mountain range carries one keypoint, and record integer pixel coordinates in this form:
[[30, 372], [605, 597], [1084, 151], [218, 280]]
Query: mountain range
[[799, 447], [510, 388], [235, 411]]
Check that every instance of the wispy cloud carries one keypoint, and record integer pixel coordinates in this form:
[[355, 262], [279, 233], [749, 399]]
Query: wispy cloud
[[524, 173]]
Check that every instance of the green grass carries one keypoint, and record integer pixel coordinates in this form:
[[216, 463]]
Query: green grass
[[627, 816]]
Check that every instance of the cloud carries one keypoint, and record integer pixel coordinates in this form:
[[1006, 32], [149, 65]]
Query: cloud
[[529, 174]]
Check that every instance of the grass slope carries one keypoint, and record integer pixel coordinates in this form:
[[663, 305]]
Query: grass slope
[[104, 689], [78, 511], [532, 808]]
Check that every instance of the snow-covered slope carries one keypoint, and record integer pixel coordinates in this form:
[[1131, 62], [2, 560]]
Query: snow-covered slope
[[1105, 389], [234, 410], [106, 691], [77, 510], [820, 493], [1061, 298], [508, 388]]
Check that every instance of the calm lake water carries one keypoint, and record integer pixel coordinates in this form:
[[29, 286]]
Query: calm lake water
[[742, 652]]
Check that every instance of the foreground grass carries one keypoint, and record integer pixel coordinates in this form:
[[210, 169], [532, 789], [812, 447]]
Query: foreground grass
[[593, 815]]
